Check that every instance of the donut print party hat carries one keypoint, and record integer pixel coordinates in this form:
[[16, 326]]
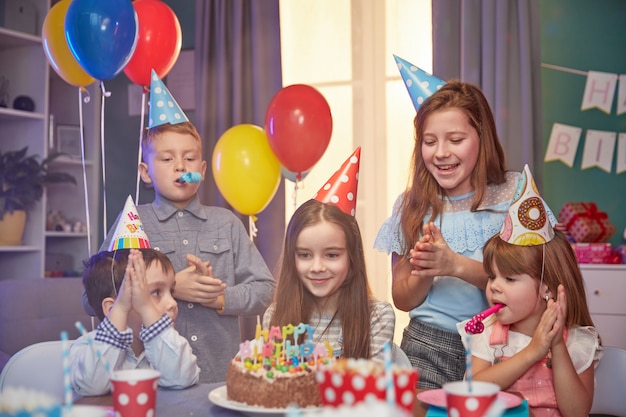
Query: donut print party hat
[[340, 189], [163, 107], [418, 82], [527, 222], [129, 233]]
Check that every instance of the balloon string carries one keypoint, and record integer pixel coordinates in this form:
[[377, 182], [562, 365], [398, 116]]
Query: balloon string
[[143, 114], [252, 227], [104, 183], [82, 150], [87, 97], [294, 196]]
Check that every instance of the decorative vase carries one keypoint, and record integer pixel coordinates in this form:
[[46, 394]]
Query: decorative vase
[[12, 228]]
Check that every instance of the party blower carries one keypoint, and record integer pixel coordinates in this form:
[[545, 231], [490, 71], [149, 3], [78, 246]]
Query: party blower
[[190, 177], [475, 325]]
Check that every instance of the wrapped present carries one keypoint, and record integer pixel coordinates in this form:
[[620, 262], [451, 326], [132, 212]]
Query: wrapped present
[[592, 253], [585, 223]]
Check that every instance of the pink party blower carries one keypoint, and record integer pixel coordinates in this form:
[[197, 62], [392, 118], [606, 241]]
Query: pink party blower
[[475, 325]]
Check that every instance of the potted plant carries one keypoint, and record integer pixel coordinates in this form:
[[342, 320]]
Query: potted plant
[[22, 182]]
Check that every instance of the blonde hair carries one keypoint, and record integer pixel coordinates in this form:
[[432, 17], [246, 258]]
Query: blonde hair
[[559, 266], [152, 134]]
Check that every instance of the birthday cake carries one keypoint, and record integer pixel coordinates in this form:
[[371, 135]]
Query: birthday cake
[[273, 371]]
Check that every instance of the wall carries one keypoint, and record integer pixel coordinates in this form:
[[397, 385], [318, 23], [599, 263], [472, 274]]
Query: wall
[[582, 36]]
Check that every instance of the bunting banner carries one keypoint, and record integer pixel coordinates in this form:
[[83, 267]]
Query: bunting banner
[[599, 91], [563, 144], [598, 150], [600, 147]]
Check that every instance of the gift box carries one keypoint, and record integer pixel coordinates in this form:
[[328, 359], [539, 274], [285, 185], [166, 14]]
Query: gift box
[[354, 381], [586, 223], [592, 253]]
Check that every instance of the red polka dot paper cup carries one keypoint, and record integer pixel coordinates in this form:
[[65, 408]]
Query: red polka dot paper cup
[[134, 392], [460, 402], [356, 381]]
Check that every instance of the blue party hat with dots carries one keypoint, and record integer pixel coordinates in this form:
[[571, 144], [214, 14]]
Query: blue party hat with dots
[[418, 82], [163, 107]]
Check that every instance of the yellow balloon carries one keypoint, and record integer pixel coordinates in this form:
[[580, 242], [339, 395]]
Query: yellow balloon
[[245, 169], [56, 49]]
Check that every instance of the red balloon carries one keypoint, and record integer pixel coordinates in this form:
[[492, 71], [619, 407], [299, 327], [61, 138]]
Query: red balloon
[[159, 40], [298, 124]]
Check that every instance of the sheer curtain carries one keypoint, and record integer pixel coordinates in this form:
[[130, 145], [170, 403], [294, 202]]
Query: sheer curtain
[[496, 45], [237, 72]]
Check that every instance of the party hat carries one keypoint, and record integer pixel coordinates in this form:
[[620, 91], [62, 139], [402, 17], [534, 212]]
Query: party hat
[[129, 233], [163, 107], [527, 222], [340, 189], [418, 82]]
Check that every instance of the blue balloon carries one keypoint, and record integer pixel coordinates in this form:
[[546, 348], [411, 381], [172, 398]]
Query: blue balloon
[[102, 35]]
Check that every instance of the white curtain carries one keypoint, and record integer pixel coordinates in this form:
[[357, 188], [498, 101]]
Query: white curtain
[[496, 45]]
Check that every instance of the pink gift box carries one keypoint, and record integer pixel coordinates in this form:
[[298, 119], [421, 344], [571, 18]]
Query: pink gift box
[[585, 223], [592, 253]]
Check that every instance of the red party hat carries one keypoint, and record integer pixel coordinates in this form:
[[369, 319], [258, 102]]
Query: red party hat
[[340, 189]]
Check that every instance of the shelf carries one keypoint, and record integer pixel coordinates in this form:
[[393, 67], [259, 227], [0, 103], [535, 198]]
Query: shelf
[[19, 249], [65, 235], [7, 113], [13, 39], [69, 161], [608, 267]]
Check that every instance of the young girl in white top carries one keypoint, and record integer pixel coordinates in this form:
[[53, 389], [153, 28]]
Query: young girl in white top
[[541, 342]]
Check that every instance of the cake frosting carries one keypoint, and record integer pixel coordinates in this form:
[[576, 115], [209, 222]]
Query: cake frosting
[[274, 371]]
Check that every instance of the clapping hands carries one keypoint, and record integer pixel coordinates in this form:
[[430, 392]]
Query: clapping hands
[[197, 284]]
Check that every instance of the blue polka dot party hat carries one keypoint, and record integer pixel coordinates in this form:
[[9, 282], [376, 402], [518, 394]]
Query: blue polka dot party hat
[[418, 82], [163, 107]]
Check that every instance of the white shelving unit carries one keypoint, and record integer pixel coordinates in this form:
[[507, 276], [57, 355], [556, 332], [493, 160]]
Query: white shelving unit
[[24, 65], [605, 286]]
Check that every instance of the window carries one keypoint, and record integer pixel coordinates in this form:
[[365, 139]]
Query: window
[[345, 49]]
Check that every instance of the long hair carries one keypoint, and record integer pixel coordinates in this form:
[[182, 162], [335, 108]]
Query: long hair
[[295, 304], [560, 267], [104, 272], [423, 192]]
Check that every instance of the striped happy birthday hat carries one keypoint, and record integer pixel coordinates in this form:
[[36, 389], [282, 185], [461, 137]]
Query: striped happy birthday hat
[[340, 189], [129, 233]]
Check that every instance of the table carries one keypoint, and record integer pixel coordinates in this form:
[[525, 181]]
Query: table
[[194, 401]]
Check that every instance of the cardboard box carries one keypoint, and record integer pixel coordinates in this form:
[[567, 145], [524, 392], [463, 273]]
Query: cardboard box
[[586, 223]]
